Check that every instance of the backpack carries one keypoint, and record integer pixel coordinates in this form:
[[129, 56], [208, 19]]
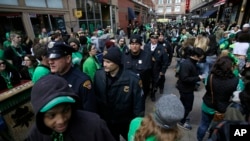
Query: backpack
[[221, 132]]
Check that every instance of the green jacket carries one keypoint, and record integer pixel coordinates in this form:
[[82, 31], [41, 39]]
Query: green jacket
[[39, 72], [90, 66]]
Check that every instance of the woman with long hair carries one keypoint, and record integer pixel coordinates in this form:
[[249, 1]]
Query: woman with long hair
[[220, 85], [90, 62], [160, 125], [30, 64]]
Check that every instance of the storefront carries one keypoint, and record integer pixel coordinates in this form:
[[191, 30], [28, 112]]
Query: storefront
[[30, 16]]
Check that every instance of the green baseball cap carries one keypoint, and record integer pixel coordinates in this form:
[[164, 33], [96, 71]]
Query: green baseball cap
[[56, 101]]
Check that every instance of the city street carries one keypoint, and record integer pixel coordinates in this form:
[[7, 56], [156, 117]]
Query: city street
[[196, 112]]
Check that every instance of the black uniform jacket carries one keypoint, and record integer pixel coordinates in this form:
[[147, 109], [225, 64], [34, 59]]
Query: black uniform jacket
[[122, 101]]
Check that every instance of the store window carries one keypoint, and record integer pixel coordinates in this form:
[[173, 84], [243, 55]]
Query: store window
[[9, 2], [50, 22]]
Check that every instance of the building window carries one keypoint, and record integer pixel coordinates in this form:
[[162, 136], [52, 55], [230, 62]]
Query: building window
[[160, 1], [168, 9], [9, 2], [177, 1], [35, 3], [169, 1], [177, 8], [160, 10], [55, 3], [42, 3]]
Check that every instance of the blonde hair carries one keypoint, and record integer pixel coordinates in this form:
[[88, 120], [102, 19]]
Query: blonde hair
[[201, 42], [149, 127]]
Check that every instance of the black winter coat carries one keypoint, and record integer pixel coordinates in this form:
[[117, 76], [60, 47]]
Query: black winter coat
[[188, 76], [222, 91], [122, 101]]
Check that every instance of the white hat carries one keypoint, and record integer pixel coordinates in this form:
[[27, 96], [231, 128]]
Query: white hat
[[246, 25]]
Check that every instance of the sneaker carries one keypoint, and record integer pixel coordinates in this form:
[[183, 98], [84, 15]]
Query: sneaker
[[185, 126]]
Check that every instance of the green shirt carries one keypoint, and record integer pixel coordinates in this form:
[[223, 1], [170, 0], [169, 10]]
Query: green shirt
[[90, 66], [76, 58], [39, 72], [134, 126]]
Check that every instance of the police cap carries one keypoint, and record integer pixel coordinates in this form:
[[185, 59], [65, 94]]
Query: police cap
[[135, 39], [154, 35], [58, 50]]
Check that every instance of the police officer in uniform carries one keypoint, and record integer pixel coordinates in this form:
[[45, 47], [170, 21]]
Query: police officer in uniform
[[167, 46], [159, 62], [60, 62], [119, 94], [139, 61]]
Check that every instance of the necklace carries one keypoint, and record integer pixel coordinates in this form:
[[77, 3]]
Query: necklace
[[7, 77]]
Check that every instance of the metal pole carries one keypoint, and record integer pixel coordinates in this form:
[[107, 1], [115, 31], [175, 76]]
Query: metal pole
[[111, 21]]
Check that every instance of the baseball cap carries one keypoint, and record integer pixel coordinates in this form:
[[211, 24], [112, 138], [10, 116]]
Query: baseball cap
[[58, 50], [56, 101]]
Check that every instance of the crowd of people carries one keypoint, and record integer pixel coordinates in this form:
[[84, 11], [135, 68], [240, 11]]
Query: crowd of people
[[94, 85]]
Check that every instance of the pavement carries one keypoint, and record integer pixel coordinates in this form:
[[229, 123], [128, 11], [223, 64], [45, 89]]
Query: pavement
[[195, 115]]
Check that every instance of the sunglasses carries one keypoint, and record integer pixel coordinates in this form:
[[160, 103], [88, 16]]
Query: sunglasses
[[2, 63]]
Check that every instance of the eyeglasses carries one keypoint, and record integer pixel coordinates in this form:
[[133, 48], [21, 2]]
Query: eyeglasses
[[2, 63]]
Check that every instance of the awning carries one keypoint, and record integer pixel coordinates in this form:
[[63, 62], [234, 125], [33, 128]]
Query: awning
[[131, 13], [220, 2], [209, 13]]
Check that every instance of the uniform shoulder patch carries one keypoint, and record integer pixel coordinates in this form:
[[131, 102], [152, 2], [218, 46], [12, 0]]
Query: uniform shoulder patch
[[87, 84]]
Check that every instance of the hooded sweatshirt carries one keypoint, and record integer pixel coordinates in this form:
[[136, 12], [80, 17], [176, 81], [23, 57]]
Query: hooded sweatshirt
[[83, 125]]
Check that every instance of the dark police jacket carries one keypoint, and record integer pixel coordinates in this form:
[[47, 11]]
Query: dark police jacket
[[82, 86], [120, 102], [159, 57]]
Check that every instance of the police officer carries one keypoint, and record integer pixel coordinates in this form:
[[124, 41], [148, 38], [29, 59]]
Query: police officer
[[139, 61], [119, 94], [159, 62], [60, 62], [168, 48]]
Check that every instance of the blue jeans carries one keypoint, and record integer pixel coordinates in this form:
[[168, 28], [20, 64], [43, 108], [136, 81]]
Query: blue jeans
[[210, 60], [204, 125]]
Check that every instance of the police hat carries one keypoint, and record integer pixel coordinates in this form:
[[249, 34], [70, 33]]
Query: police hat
[[154, 35], [58, 49], [135, 39]]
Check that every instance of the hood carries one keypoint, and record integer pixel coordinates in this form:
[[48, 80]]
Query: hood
[[44, 90]]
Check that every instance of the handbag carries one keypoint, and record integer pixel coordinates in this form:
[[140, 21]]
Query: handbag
[[217, 115]]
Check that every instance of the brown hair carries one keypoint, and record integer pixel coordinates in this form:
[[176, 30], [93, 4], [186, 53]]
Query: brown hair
[[149, 127]]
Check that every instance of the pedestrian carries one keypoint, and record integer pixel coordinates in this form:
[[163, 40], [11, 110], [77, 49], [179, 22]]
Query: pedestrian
[[30, 64], [220, 85], [14, 53], [90, 62], [77, 55], [161, 125], [188, 77], [57, 117], [139, 61], [9, 76], [42, 69], [168, 48], [60, 62], [159, 62], [119, 94]]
